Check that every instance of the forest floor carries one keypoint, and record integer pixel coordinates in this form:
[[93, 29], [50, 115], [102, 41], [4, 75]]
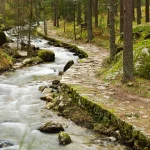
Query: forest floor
[[127, 103]]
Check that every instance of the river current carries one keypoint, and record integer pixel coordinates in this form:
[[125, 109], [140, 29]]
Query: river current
[[22, 112]]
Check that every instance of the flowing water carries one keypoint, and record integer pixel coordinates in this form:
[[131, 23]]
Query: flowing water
[[22, 112]]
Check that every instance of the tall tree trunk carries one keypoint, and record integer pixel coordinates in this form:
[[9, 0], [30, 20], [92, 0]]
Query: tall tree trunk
[[45, 22], [112, 29], [78, 13], [128, 68], [54, 13], [37, 12], [96, 13], [57, 13], [108, 19], [147, 11], [89, 20], [121, 16], [138, 5], [75, 21], [30, 27], [85, 12], [133, 10]]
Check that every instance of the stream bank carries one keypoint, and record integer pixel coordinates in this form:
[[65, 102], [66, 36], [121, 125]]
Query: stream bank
[[96, 96]]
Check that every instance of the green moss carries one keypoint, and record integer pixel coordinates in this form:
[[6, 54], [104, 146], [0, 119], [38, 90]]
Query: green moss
[[141, 60], [70, 47], [5, 61], [33, 61], [46, 55]]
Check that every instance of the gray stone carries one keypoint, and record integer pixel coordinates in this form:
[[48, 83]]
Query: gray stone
[[41, 88], [47, 90], [51, 127]]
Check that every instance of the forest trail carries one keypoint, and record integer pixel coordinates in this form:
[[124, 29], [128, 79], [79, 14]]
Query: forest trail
[[126, 105]]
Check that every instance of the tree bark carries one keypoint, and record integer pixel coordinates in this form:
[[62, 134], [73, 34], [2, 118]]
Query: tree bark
[[128, 68], [121, 16], [147, 11], [139, 15], [96, 13], [78, 13], [112, 29], [89, 20]]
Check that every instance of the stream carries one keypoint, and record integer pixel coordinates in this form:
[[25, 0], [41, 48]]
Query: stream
[[22, 112]]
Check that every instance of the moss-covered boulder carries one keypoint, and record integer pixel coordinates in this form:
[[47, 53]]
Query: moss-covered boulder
[[3, 38], [51, 127], [64, 138], [46, 55]]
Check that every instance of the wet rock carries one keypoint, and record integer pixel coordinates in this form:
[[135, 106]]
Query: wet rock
[[51, 127], [60, 73], [47, 90], [32, 61], [17, 65], [64, 138], [68, 65], [55, 82], [3, 38], [4, 144], [49, 98], [41, 88]]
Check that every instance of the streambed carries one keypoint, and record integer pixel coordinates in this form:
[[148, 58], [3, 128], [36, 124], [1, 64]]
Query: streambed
[[22, 112]]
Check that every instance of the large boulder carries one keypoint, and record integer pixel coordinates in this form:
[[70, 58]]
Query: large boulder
[[68, 65], [46, 55], [51, 127], [64, 138], [3, 38]]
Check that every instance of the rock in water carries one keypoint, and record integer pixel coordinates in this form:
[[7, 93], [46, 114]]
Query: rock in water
[[51, 127], [46, 55], [4, 144], [68, 65], [3, 38], [64, 138]]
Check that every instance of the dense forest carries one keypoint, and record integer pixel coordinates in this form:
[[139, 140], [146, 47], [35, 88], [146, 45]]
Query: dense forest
[[93, 20], [75, 69]]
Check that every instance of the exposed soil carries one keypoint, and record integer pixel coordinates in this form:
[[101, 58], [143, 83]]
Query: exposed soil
[[124, 102]]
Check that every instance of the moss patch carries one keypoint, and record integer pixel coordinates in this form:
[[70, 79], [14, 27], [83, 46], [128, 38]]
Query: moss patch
[[5, 61], [46, 55]]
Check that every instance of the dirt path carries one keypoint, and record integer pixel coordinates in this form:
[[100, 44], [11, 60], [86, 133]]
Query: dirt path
[[82, 75]]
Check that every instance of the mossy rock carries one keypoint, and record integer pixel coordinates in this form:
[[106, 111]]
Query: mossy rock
[[3, 38], [64, 138], [46, 55], [32, 61], [51, 127]]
